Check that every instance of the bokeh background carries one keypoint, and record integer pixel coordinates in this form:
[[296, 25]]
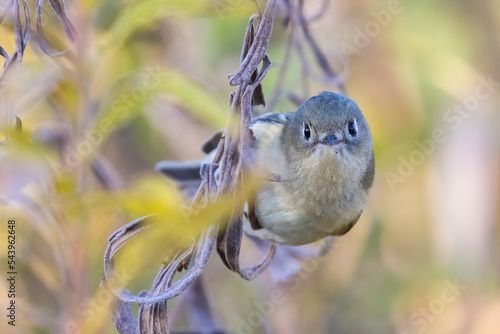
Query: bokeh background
[[147, 81]]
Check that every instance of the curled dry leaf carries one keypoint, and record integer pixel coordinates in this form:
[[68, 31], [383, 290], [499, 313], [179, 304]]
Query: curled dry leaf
[[60, 9], [232, 162], [258, 49], [22, 30]]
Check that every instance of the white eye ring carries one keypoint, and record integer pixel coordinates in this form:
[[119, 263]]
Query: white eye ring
[[307, 131], [352, 128]]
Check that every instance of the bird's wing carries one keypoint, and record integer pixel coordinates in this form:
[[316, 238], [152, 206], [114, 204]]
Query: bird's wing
[[271, 118], [266, 121], [212, 143], [267, 130]]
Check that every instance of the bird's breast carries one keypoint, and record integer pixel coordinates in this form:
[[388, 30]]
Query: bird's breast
[[316, 197]]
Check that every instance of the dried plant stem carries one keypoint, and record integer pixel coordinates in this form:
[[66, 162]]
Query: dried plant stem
[[22, 32], [233, 162], [277, 90]]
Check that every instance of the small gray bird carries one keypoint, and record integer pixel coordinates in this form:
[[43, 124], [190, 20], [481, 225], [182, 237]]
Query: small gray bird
[[324, 154]]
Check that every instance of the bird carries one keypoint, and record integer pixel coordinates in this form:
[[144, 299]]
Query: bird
[[324, 155]]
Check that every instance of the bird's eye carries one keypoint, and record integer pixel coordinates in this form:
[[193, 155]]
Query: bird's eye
[[307, 132], [351, 128]]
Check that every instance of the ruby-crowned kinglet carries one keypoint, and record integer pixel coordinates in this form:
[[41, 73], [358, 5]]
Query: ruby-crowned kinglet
[[324, 154]]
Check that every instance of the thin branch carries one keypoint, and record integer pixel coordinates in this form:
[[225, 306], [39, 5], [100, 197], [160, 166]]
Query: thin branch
[[321, 11], [6, 10], [297, 45], [318, 53], [106, 173], [275, 95], [4, 54], [233, 161], [198, 308]]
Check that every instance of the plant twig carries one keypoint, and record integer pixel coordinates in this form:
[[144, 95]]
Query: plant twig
[[233, 162]]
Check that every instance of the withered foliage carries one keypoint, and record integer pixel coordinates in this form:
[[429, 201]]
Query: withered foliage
[[225, 177], [233, 162], [22, 30], [22, 34]]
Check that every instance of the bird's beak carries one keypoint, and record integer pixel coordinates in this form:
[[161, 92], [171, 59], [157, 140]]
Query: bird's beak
[[332, 139]]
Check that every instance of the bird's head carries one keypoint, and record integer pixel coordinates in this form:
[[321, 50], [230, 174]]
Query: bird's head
[[328, 130]]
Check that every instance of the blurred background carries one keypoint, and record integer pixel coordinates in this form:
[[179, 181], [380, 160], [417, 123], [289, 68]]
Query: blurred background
[[147, 81]]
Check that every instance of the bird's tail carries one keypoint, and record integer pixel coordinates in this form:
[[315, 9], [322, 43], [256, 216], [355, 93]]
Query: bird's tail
[[185, 173]]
